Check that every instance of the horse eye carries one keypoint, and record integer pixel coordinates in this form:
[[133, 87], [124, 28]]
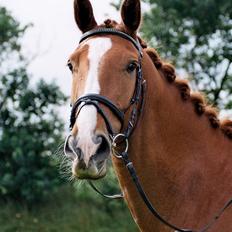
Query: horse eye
[[70, 66], [131, 67]]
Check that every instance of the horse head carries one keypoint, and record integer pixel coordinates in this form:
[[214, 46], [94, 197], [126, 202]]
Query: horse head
[[102, 65]]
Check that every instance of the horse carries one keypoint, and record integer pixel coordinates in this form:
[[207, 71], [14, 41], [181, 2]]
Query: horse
[[129, 104]]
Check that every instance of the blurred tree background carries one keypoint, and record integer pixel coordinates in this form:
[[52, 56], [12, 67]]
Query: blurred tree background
[[33, 196], [196, 36], [29, 126]]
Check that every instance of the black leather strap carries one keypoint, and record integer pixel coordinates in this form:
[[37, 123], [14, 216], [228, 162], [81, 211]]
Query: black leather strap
[[143, 195], [113, 197], [112, 31], [95, 99], [154, 211], [107, 102]]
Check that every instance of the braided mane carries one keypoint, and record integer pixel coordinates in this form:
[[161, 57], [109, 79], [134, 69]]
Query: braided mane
[[198, 100]]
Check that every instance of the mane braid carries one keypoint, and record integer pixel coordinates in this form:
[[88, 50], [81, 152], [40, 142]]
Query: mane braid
[[198, 100]]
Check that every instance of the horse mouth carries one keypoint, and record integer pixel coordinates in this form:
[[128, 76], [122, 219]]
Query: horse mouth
[[93, 172]]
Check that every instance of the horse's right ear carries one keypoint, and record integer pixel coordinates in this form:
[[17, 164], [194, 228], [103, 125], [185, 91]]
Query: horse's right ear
[[131, 15], [83, 13]]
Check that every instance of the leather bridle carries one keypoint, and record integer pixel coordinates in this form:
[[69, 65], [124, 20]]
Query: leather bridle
[[136, 105], [136, 102]]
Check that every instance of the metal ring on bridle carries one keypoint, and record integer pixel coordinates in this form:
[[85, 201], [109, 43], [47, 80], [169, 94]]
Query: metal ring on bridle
[[115, 144]]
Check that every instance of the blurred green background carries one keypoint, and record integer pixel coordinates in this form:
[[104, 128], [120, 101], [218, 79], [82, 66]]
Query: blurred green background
[[34, 192]]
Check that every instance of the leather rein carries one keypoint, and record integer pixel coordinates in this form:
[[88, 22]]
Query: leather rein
[[117, 139]]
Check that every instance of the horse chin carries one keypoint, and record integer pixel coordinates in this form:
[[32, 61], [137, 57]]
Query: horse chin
[[92, 173], [89, 176]]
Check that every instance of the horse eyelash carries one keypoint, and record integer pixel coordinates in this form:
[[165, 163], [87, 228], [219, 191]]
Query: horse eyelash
[[70, 66], [132, 62]]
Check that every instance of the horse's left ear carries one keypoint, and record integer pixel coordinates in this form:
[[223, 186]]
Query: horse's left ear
[[131, 15]]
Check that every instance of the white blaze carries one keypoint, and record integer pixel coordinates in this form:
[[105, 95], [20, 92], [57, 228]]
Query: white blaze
[[87, 119]]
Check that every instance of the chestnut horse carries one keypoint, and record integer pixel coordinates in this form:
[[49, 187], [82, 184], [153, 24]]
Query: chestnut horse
[[180, 150]]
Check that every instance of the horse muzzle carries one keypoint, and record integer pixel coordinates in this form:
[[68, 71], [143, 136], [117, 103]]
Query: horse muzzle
[[89, 155]]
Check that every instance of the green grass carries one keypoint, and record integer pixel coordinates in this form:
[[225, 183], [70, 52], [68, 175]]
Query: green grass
[[68, 211]]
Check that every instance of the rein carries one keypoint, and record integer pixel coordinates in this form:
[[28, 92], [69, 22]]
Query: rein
[[137, 104]]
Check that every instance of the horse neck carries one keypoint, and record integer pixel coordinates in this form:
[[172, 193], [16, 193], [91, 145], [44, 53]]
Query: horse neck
[[174, 153]]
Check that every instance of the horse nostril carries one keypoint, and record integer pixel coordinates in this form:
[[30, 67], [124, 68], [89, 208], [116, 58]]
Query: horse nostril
[[97, 139], [70, 148], [104, 148]]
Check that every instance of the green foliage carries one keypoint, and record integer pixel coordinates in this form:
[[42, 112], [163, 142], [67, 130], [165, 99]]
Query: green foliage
[[10, 34], [197, 36], [66, 211], [30, 128]]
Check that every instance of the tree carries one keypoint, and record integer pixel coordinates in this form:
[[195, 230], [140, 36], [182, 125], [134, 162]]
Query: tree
[[197, 37], [30, 128]]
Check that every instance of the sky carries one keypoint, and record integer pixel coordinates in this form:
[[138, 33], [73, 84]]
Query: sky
[[53, 37]]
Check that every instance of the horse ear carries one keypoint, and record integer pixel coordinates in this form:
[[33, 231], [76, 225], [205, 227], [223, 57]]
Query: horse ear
[[131, 15], [83, 13]]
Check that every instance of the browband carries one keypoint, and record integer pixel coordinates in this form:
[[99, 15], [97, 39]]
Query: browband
[[112, 31]]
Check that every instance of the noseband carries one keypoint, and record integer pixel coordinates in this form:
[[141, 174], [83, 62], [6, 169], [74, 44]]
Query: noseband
[[137, 103]]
